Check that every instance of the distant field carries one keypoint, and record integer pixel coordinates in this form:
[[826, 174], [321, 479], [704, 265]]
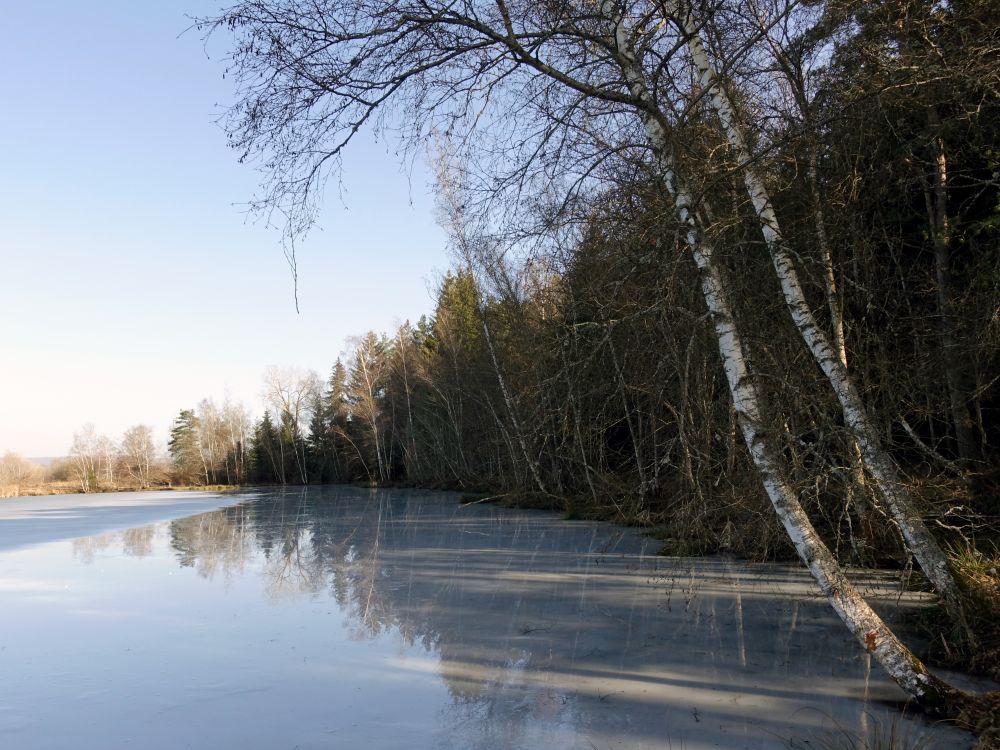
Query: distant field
[[46, 461]]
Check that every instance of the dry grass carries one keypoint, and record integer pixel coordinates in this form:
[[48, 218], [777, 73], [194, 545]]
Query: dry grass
[[43, 489], [982, 717], [891, 735], [977, 572], [36, 489]]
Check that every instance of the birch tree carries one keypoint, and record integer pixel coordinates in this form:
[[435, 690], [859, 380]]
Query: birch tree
[[290, 392], [138, 451], [365, 389], [877, 460], [236, 425], [86, 454]]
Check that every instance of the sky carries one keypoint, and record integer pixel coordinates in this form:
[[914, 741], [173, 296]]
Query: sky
[[132, 281]]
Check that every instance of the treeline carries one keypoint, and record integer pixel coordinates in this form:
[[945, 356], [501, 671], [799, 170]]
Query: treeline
[[209, 444], [96, 463], [595, 382], [206, 447], [844, 170]]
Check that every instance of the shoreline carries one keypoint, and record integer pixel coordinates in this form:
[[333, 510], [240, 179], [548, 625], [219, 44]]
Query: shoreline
[[74, 489]]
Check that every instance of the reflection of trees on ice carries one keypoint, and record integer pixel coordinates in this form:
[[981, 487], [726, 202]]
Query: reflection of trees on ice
[[545, 631], [136, 542], [510, 709]]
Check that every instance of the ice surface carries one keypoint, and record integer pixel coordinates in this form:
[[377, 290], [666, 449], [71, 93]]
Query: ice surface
[[349, 618], [32, 520]]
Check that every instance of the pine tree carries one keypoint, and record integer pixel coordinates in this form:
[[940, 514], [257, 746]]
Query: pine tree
[[184, 447], [264, 452]]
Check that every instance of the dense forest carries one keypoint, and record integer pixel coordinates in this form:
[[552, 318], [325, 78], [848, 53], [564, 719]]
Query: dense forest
[[577, 360]]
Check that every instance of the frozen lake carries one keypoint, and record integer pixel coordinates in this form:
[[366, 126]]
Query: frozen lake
[[349, 618]]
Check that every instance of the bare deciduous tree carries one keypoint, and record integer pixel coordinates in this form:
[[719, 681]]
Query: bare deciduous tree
[[86, 453], [290, 393], [15, 472], [138, 454]]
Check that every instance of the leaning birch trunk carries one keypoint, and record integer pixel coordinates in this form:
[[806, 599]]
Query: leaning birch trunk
[[865, 625], [918, 538]]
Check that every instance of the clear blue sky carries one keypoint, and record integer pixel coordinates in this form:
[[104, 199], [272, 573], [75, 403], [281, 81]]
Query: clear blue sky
[[132, 283]]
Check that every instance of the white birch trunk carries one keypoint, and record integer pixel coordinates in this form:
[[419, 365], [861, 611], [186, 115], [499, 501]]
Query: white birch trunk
[[411, 441], [918, 538], [372, 415], [866, 626]]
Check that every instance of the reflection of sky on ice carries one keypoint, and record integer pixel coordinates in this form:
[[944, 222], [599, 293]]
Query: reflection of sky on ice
[[339, 617]]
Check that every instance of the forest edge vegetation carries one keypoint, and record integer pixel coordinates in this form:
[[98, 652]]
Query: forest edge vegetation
[[792, 151]]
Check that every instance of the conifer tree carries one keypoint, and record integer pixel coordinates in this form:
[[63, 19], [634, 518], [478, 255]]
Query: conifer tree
[[184, 447]]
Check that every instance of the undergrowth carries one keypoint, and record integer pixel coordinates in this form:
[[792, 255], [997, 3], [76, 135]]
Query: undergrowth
[[977, 572]]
